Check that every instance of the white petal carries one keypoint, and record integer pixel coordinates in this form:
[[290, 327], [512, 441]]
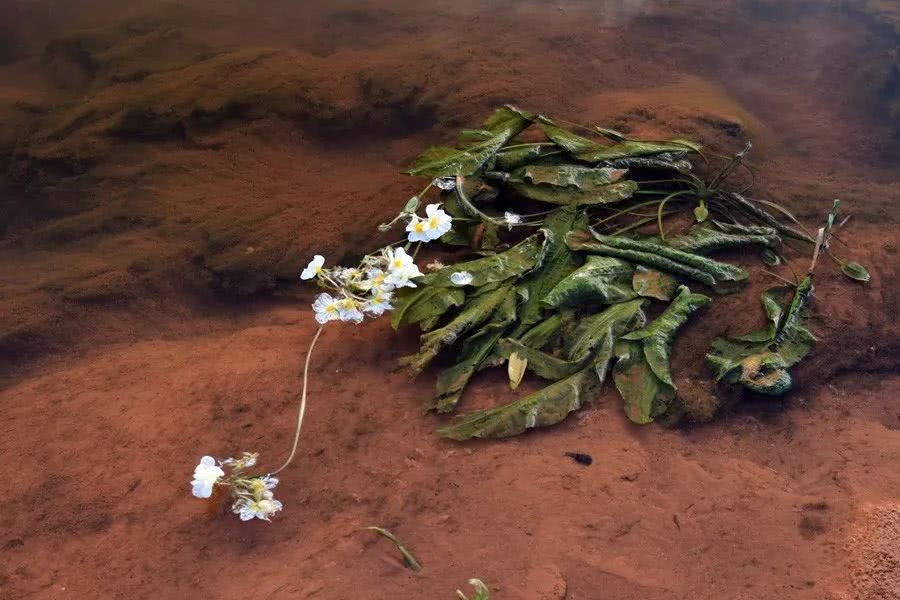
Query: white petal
[[207, 461]]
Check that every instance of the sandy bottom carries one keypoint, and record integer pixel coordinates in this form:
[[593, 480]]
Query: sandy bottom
[[168, 168]]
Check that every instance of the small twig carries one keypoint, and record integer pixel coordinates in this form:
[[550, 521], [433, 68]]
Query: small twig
[[408, 559]]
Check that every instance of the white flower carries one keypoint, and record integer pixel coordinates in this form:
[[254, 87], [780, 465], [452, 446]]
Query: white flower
[[511, 218], [417, 229], [259, 486], [378, 303], [313, 268], [437, 221], [445, 183], [461, 278], [348, 310], [347, 275], [206, 474], [327, 308], [257, 508], [376, 282], [401, 269]]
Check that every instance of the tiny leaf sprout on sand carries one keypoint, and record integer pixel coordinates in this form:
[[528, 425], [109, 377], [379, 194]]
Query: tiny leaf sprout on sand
[[353, 293]]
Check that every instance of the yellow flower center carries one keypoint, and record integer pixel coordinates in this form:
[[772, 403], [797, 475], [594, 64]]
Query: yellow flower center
[[332, 308], [433, 223], [397, 263], [419, 227]]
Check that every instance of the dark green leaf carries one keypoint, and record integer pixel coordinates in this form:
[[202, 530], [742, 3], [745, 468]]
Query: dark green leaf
[[576, 176], [651, 283], [572, 196], [602, 279], [722, 277], [452, 382], [415, 305], [559, 261], [702, 239], [541, 409], [591, 332], [543, 333], [515, 262], [475, 148], [642, 373], [509, 160], [540, 363], [760, 360], [477, 311]]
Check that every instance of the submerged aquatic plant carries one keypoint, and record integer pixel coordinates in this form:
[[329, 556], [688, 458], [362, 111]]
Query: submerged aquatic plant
[[569, 241]]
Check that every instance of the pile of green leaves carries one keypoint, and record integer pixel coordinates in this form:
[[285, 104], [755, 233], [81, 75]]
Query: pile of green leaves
[[565, 289]]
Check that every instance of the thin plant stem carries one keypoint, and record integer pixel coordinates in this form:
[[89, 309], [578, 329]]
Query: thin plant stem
[[302, 410]]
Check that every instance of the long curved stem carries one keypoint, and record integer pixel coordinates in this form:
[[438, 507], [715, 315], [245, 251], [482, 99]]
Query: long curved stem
[[302, 411]]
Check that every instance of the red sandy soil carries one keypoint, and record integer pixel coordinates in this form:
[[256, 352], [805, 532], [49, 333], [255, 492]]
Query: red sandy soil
[[170, 167]]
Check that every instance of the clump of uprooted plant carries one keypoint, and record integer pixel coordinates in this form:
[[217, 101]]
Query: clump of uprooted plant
[[567, 240]]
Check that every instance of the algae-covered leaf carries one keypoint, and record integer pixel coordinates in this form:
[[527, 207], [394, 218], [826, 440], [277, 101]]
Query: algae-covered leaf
[[642, 373], [451, 382], [543, 333], [408, 559], [721, 277], [704, 238], [602, 279], [760, 360], [513, 263], [855, 271], [651, 283], [476, 311], [540, 409], [475, 147], [424, 303]]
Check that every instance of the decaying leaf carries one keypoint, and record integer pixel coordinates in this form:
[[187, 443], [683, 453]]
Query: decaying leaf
[[642, 373], [573, 196], [516, 369], [651, 283], [424, 303], [760, 360], [702, 239]]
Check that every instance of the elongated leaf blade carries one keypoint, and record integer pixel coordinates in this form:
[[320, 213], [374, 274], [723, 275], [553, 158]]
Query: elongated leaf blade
[[573, 196], [515, 262], [424, 303]]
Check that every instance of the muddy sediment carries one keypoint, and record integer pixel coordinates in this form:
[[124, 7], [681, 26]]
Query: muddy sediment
[[168, 169]]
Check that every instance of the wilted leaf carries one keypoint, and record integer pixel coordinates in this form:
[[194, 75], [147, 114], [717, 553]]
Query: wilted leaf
[[475, 147], [509, 160], [651, 283], [516, 369], [602, 279], [541, 409], [642, 372], [515, 262], [722, 277], [543, 333], [451, 382], [760, 360], [855, 271]]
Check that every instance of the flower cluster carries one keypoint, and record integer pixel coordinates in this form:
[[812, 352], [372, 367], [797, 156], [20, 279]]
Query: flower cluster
[[367, 290], [252, 496]]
